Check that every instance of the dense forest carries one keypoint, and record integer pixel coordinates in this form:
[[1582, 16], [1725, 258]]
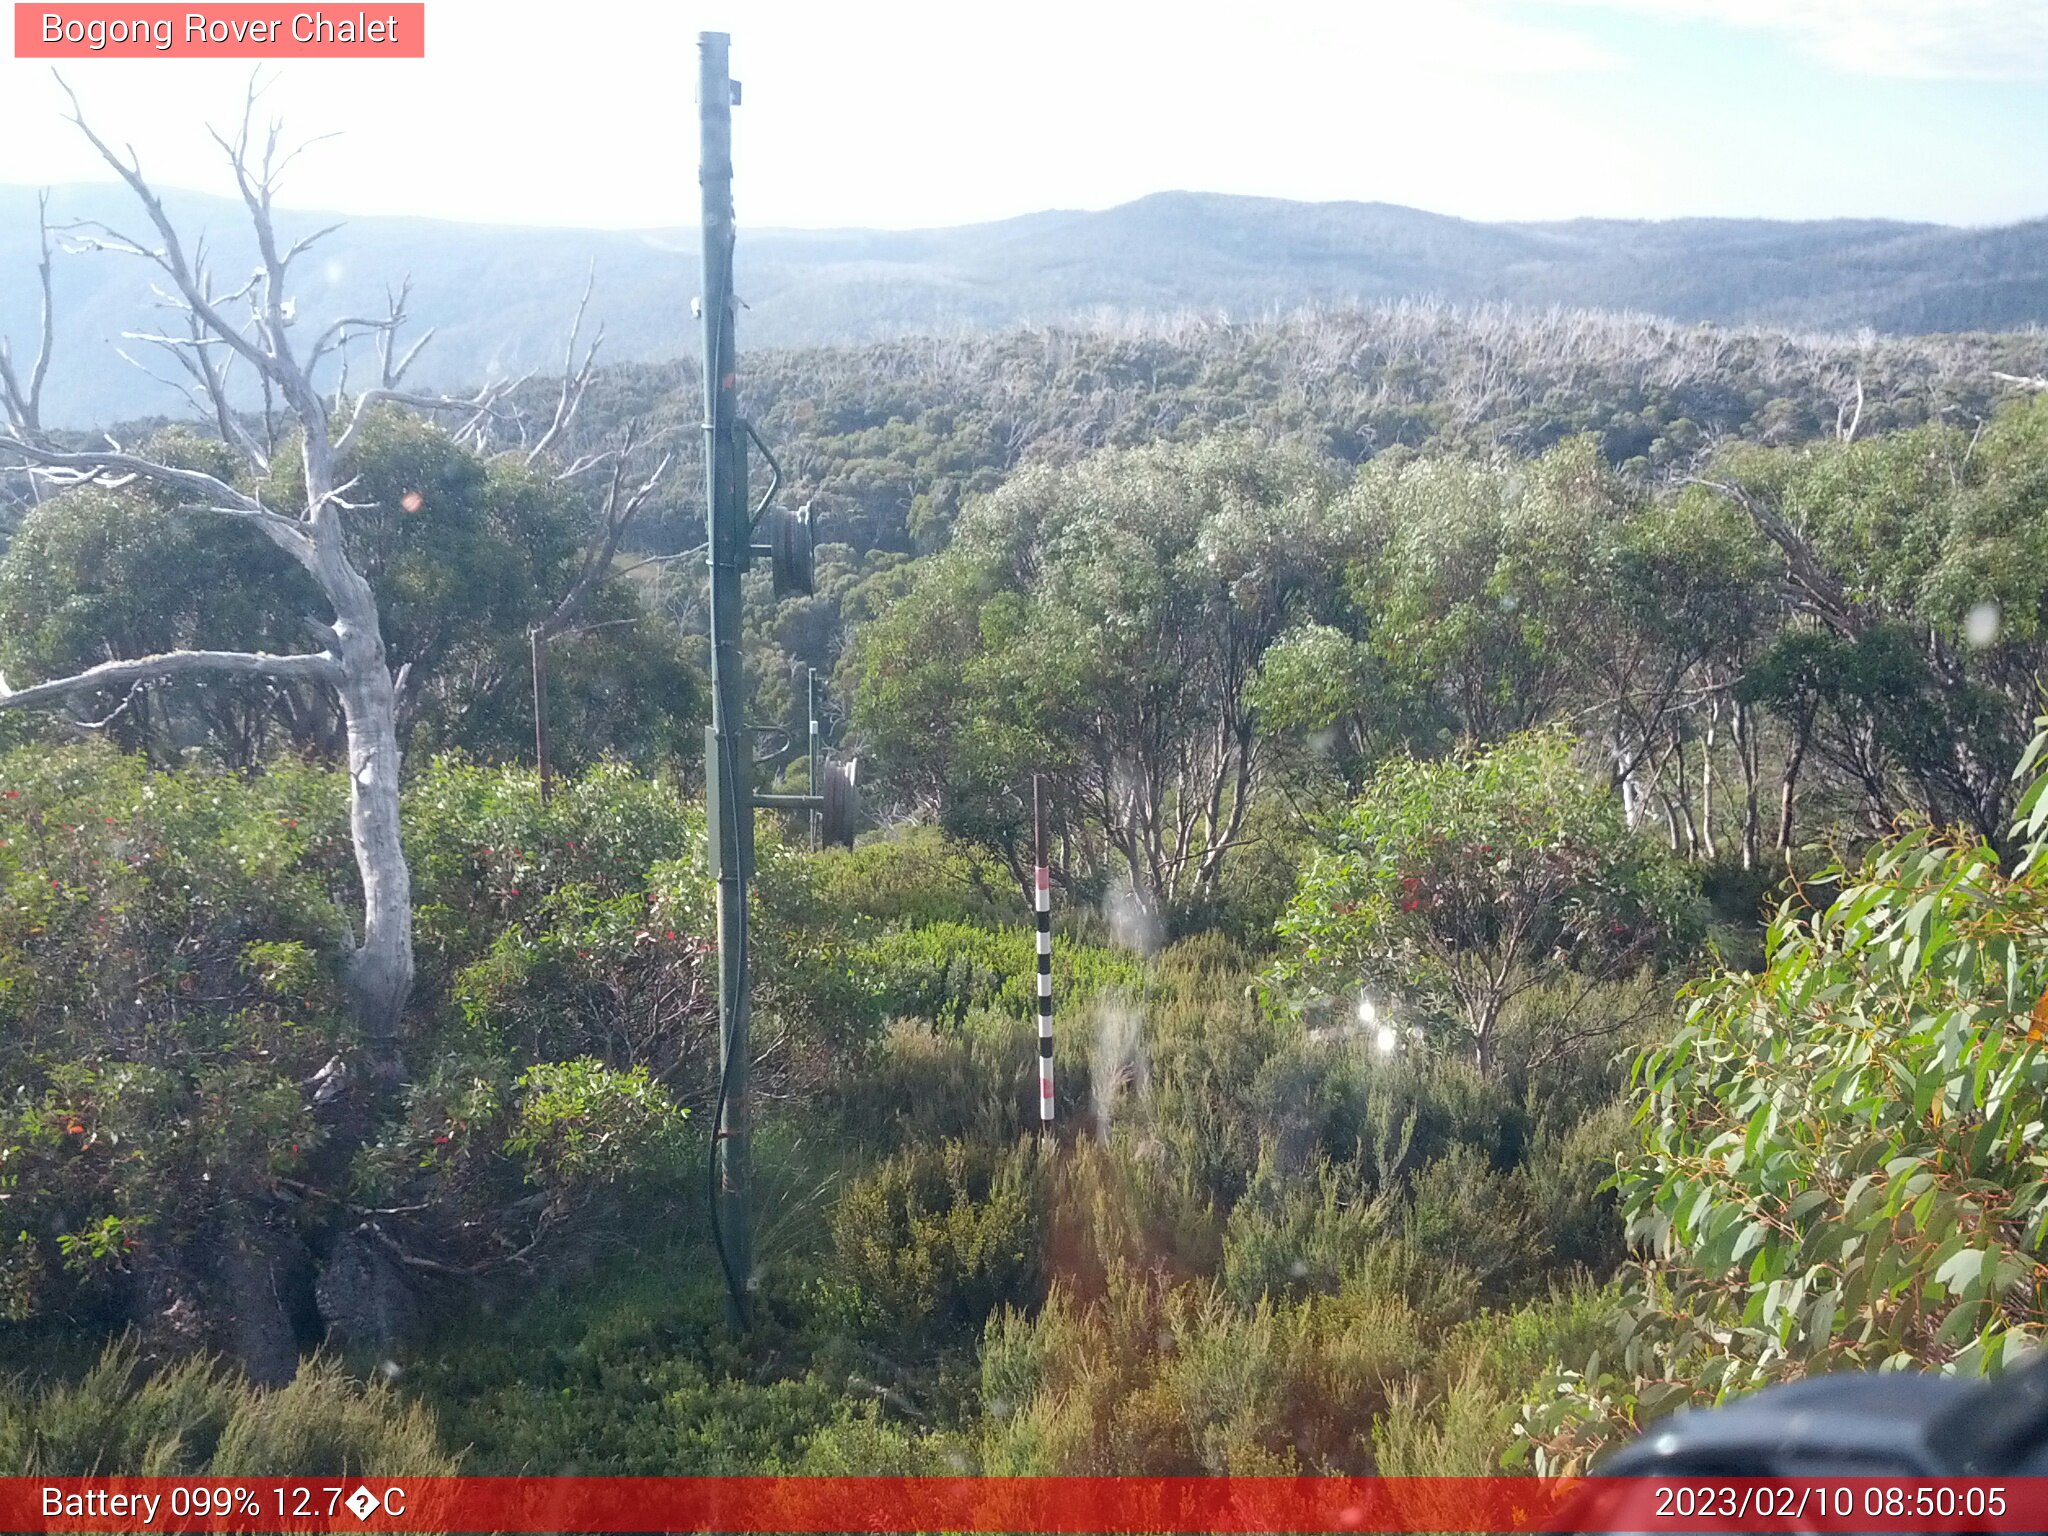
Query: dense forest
[[493, 291], [1546, 815]]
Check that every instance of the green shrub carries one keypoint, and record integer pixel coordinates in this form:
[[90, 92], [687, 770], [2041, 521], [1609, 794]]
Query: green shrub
[[627, 1368], [585, 927], [864, 1444], [1293, 1235], [922, 1086], [170, 958], [939, 1238], [1458, 885], [324, 1425], [1469, 1215], [1177, 1381], [1118, 1206], [916, 877], [1840, 1161], [1456, 1417], [943, 971], [579, 1124], [1383, 1116], [1462, 1434], [195, 1419]]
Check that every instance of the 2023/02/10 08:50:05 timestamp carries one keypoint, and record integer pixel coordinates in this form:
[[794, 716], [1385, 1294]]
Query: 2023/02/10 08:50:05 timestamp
[[1934, 1500]]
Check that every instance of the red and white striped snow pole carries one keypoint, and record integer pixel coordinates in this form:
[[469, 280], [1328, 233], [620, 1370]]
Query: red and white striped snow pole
[[1042, 906]]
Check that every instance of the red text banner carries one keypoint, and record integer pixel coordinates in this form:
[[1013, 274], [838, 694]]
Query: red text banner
[[1021, 1504]]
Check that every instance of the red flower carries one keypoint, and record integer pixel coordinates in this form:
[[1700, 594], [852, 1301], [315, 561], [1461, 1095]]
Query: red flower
[[12, 794], [669, 934], [440, 1141]]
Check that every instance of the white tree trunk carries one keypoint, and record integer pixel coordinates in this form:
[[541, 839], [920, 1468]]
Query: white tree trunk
[[380, 971]]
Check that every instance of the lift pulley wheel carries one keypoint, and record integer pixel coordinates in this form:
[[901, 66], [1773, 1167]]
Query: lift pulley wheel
[[789, 550], [841, 794]]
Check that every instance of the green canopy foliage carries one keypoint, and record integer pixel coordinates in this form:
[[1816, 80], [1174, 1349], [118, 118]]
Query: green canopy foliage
[[1101, 624], [1458, 887], [1841, 1159], [465, 554]]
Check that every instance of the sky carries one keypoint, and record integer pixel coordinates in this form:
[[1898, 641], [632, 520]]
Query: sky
[[903, 114]]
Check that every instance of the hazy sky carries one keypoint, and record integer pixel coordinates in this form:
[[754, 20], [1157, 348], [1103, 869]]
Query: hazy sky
[[873, 112]]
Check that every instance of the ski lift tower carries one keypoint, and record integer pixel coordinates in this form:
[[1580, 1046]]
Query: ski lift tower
[[736, 535]]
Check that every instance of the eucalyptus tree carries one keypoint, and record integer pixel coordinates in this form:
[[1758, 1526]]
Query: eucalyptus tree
[[1917, 567], [1102, 623], [297, 480], [1477, 585], [1458, 889]]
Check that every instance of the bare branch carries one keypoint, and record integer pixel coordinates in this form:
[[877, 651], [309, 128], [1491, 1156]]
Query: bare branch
[[172, 258], [480, 405], [621, 506], [116, 468], [1846, 422], [194, 353], [394, 373], [345, 330], [25, 405], [116, 713], [304, 244], [320, 668], [641, 565], [575, 377], [582, 465], [601, 624], [192, 396]]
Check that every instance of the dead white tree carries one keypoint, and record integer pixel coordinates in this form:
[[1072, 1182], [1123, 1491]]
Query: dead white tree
[[208, 344], [23, 402]]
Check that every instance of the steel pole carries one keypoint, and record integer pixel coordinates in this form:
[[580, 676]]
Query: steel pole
[[811, 713], [1041, 909], [726, 759], [541, 758]]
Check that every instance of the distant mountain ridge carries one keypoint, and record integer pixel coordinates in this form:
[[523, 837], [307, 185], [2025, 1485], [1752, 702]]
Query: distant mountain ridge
[[500, 297]]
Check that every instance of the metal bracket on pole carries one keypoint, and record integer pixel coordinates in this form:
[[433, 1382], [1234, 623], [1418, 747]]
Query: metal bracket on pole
[[836, 805], [774, 477]]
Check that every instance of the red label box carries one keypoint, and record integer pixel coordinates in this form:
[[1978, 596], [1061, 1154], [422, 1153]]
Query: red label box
[[377, 30]]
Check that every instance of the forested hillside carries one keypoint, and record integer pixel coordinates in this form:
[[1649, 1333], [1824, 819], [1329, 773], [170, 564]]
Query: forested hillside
[[494, 291], [1545, 813]]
